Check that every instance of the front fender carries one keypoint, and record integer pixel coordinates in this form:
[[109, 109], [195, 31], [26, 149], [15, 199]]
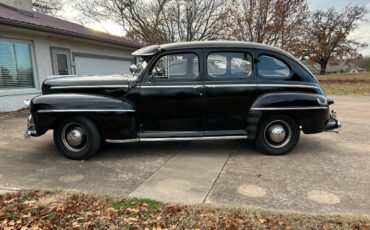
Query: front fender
[[311, 111], [115, 118]]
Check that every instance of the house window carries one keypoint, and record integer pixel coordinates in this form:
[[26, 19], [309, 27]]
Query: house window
[[16, 69]]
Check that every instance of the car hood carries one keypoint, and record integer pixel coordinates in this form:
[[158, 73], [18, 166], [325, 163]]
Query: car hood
[[74, 83]]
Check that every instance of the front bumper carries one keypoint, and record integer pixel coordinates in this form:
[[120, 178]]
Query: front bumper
[[333, 124], [31, 129]]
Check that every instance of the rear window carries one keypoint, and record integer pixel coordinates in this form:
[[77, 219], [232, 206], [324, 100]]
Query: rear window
[[271, 67]]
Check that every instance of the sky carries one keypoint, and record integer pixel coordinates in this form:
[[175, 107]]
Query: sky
[[362, 34]]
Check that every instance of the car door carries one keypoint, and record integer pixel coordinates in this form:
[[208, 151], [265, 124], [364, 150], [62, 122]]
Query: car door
[[171, 96], [230, 88]]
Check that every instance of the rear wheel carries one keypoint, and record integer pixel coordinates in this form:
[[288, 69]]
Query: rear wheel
[[78, 138], [277, 135]]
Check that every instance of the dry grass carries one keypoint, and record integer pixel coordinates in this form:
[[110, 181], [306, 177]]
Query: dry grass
[[346, 84], [344, 76], [53, 210]]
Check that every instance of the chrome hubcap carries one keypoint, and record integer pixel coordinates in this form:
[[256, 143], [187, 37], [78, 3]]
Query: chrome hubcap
[[277, 134], [74, 137]]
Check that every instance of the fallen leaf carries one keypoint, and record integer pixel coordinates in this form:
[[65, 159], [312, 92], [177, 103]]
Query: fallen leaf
[[133, 210], [133, 218], [239, 221], [262, 221]]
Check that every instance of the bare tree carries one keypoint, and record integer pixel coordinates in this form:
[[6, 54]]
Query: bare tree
[[189, 20], [326, 35], [362, 61], [47, 6], [161, 21], [273, 22], [140, 19]]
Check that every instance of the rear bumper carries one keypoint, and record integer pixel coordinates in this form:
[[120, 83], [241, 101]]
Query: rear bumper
[[333, 124]]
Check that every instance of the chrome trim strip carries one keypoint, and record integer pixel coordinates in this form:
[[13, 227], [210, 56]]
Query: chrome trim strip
[[230, 85], [325, 102], [194, 138], [291, 108], [185, 86], [171, 86], [122, 141], [288, 85], [148, 139], [87, 86], [83, 110], [262, 85]]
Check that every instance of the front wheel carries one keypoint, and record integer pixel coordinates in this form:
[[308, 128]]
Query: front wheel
[[277, 135], [78, 138]]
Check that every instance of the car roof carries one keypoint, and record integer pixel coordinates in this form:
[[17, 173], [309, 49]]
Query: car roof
[[153, 49]]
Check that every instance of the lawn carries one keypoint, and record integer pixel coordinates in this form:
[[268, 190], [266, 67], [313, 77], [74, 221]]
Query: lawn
[[61, 210], [346, 84]]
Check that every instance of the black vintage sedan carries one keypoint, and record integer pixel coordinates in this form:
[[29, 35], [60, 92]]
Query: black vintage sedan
[[187, 91]]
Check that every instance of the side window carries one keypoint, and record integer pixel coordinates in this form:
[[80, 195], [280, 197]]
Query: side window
[[229, 65], [270, 67], [176, 67]]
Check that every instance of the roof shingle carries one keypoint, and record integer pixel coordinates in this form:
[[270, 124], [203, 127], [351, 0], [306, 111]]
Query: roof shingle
[[37, 21]]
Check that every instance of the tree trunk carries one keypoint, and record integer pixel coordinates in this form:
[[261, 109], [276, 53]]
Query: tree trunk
[[323, 65]]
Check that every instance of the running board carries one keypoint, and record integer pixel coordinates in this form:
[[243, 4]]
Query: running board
[[148, 139]]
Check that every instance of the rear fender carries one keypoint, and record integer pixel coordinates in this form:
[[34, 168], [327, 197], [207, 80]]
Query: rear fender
[[311, 111], [115, 118]]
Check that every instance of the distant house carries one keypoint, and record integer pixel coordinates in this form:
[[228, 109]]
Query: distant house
[[341, 67], [34, 46]]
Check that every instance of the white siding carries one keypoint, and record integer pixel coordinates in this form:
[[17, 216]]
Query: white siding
[[14, 102], [11, 100], [20, 4], [91, 66]]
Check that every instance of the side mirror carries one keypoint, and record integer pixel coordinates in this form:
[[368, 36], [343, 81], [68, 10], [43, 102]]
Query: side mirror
[[133, 69]]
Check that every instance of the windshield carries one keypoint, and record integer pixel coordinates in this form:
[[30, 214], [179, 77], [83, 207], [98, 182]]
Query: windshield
[[141, 64]]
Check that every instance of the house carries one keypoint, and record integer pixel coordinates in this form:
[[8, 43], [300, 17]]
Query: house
[[34, 46], [345, 66]]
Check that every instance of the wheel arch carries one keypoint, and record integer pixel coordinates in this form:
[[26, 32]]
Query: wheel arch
[[310, 111], [114, 118]]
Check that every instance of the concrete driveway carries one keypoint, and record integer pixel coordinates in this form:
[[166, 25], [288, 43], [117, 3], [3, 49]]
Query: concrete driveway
[[326, 173]]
